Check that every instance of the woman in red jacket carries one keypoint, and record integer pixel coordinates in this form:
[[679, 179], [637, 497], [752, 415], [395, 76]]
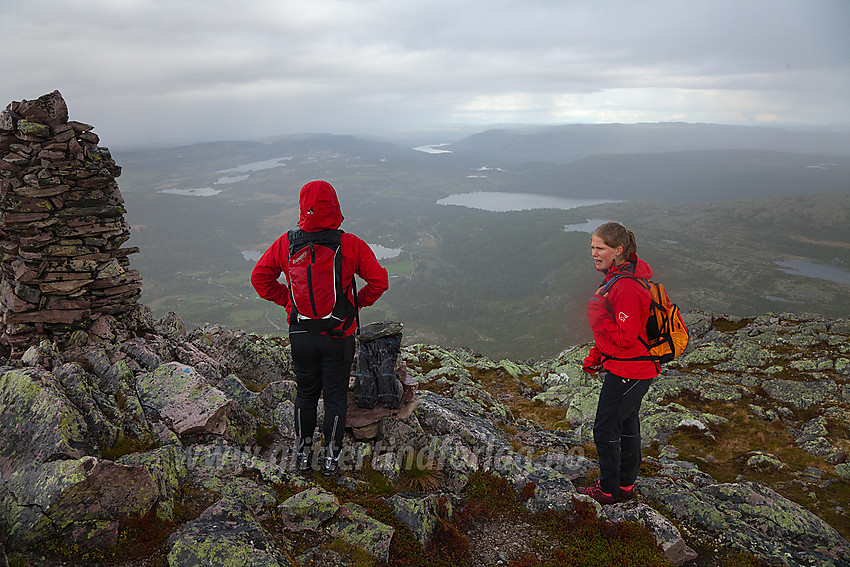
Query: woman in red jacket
[[321, 360], [618, 316]]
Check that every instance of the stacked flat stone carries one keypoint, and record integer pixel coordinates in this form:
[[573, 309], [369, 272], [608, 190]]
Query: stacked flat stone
[[62, 224]]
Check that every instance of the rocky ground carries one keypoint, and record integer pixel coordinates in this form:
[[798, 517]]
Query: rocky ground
[[146, 444]]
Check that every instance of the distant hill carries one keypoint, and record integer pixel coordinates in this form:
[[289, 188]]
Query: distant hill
[[569, 143], [690, 176]]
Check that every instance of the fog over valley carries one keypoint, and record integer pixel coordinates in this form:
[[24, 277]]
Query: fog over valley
[[491, 251]]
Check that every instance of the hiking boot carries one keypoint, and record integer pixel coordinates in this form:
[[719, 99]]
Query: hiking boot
[[330, 466], [626, 493], [595, 492], [303, 462]]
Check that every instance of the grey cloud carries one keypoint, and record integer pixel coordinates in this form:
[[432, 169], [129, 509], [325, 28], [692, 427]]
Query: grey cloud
[[348, 66]]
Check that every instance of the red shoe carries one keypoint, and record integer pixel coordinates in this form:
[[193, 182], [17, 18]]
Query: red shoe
[[595, 492], [626, 493]]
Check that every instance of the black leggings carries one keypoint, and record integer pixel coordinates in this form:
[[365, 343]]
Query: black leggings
[[616, 431], [322, 367]]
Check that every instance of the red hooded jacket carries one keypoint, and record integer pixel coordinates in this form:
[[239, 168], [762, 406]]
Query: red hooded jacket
[[617, 321], [319, 211]]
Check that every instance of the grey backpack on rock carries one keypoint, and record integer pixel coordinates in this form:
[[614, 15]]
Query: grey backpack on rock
[[375, 379]]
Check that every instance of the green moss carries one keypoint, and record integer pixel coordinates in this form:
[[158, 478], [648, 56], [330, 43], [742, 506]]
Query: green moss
[[730, 326], [359, 556], [127, 445]]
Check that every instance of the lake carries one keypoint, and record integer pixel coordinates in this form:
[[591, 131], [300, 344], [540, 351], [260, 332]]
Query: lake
[[257, 165], [504, 202], [813, 270], [197, 192], [589, 226], [433, 149]]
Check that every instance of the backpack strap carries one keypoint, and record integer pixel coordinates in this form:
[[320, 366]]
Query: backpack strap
[[299, 238], [617, 278], [603, 291]]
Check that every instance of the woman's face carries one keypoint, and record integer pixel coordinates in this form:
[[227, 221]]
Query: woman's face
[[603, 255]]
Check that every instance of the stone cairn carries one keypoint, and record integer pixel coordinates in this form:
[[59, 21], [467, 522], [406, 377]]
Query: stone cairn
[[61, 227]]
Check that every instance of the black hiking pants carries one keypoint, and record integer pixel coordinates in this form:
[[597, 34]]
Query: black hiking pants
[[322, 367], [616, 431]]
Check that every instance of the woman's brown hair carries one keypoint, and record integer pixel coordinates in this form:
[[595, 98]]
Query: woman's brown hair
[[614, 234]]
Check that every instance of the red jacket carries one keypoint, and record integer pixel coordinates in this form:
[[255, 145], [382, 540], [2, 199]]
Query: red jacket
[[319, 211], [619, 319]]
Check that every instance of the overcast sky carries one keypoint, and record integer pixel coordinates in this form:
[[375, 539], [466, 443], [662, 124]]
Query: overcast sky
[[176, 71]]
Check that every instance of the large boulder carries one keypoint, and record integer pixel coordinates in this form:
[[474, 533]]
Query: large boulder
[[184, 398], [38, 423], [80, 502], [750, 517], [226, 534], [353, 525], [308, 509], [167, 467]]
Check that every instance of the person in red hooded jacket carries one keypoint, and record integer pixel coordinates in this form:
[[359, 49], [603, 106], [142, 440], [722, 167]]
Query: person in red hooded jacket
[[618, 318], [322, 361]]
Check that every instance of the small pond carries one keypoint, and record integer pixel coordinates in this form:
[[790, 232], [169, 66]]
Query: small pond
[[812, 270], [504, 202], [197, 192]]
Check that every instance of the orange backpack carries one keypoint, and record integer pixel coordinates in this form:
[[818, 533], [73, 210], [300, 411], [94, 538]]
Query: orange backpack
[[666, 333]]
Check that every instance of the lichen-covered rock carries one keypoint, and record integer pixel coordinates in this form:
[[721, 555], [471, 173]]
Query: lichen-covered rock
[[167, 467], [170, 325], [388, 464], [753, 518], [421, 512], [764, 462], [254, 359], [308, 509], [800, 395], [100, 410], [44, 354], [277, 392], [563, 392], [214, 465], [226, 534], [234, 389], [80, 502], [572, 466], [671, 385], [457, 462], [283, 418], [551, 490], [182, 396], [188, 354], [812, 437], [255, 496], [709, 353], [354, 526], [38, 423], [444, 416], [659, 422]]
